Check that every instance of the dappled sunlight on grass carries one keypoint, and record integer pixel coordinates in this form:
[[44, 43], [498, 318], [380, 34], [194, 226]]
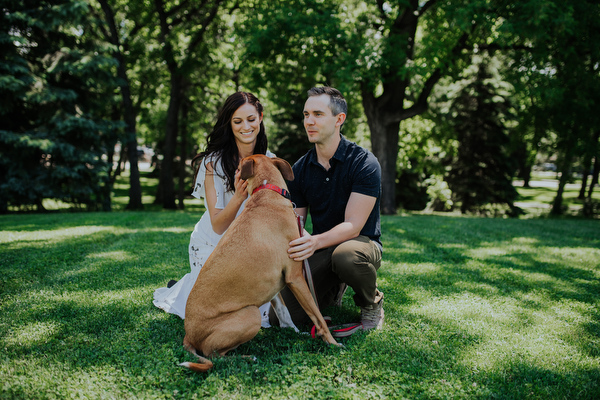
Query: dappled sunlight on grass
[[476, 287], [520, 301], [509, 330], [452, 246], [112, 255], [31, 334], [187, 230], [494, 249], [536, 279], [51, 235], [475, 308], [587, 258], [69, 233], [422, 269]]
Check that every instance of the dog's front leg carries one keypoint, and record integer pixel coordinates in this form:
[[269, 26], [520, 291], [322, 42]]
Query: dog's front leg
[[282, 312], [300, 289]]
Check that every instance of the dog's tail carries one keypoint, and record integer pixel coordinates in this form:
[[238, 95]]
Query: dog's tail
[[197, 367], [204, 365]]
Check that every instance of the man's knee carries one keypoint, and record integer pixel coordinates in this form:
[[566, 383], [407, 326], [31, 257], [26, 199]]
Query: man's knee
[[356, 254], [356, 263]]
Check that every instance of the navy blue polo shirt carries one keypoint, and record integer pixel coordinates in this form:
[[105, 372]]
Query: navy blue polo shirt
[[326, 193]]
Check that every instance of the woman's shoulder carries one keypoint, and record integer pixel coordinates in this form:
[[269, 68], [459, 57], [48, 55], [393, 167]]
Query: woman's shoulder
[[215, 161], [214, 157]]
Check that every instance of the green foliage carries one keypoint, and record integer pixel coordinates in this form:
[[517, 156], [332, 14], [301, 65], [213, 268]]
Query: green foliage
[[475, 308], [481, 171], [57, 67], [300, 47], [439, 194], [55, 133], [555, 52]]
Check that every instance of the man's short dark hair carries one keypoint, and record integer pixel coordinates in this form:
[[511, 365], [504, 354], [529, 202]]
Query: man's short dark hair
[[337, 102]]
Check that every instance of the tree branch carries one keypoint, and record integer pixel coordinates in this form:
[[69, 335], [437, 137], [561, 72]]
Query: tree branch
[[191, 15], [422, 102], [199, 35], [101, 25]]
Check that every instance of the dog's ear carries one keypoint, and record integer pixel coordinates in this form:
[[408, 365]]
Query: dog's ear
[[284, 167], [247, 168]]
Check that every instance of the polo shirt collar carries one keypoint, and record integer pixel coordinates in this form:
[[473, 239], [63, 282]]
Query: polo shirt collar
[[339, 153]]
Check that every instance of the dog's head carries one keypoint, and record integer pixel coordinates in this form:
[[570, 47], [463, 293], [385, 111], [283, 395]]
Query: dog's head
[[260, 165]]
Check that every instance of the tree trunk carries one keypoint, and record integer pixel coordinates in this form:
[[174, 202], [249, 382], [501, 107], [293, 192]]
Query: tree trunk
[[135, 188], [564, 168], [129, 115], [166, 184], [587, 163], [527, 176], [177, 71], [183, 153], [557, 204], [594, 176], [386, 112], [596, 170], [384, 143]]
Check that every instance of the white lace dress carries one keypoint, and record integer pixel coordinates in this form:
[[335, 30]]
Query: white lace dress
[[202, 244]]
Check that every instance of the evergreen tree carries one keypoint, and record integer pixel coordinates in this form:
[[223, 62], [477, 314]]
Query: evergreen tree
[[55, 90], [481, 172]]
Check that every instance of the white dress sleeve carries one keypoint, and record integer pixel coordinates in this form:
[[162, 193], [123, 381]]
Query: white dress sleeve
[[198, 191], [223, 195], [218, 180]]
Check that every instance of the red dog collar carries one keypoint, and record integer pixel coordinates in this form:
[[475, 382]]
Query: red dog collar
[[277, 189]]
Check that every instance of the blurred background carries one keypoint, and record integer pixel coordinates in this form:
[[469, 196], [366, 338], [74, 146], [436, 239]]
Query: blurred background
[[460, 100]]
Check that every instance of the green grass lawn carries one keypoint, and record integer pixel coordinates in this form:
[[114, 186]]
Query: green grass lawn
[[475, 309]]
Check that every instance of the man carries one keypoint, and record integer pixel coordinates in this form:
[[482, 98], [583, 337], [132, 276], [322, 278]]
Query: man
[[339, 183]]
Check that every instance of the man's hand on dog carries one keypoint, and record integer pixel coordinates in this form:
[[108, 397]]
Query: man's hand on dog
[[303, 247]]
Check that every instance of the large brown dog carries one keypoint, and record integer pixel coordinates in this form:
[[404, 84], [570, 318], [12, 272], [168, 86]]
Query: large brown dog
[[248, 268]]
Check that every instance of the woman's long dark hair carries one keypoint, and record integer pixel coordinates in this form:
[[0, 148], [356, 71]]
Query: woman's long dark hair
[[221, 142]]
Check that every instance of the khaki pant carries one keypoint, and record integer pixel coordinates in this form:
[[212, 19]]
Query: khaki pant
[[354, 262]]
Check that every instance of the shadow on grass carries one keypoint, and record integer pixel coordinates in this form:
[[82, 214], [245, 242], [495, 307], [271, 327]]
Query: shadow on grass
[[82, 301], [94, 262], [536, 267]]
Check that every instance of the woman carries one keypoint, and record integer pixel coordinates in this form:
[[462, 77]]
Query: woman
[[239, 132]]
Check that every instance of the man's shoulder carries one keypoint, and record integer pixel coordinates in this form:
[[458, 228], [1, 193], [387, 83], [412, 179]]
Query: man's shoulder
[[357, 154]]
